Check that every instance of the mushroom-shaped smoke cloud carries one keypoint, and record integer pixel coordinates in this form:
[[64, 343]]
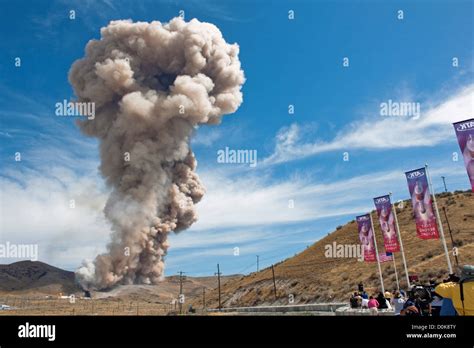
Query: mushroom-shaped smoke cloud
[[152, 84]]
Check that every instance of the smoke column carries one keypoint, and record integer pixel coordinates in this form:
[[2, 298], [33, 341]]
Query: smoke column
[[152, 84]]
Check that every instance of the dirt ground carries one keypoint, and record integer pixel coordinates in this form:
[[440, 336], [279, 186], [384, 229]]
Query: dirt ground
[[161, 299]]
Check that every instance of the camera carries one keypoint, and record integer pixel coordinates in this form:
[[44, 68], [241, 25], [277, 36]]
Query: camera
[[423, 293]]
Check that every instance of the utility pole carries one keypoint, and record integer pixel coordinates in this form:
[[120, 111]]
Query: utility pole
[[274, 283], [204, 299], [219, 285], [451, 235], [444, 182], [257, 262], [180, 297]]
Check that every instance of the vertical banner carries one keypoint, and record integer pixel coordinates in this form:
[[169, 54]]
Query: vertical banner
[[366, 236], [465, 134], [387, 223], [385, 257], [426, 227]]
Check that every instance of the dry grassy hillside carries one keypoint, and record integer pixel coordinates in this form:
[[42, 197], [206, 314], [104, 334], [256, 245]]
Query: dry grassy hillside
[[311, 277]]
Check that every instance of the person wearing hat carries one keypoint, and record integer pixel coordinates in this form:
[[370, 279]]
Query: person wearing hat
[[461, 293]]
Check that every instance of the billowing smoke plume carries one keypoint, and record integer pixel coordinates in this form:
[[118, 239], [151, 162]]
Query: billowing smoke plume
[[152, 84]]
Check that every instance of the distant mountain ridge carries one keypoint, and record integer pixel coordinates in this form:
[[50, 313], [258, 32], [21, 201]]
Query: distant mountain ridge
[[37, 276]]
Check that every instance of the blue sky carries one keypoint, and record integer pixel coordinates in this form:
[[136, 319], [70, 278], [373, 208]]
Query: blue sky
[[300, 156]]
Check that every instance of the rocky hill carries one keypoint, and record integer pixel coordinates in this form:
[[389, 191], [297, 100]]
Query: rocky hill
[[27, 276]]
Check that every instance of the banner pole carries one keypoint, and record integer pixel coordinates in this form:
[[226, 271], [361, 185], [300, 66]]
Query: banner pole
[[396, 272], [440, 224], [451, 235], [400, 241], [377, 254]]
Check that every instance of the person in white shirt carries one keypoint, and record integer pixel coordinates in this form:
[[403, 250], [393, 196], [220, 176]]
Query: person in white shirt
[[397, 302]]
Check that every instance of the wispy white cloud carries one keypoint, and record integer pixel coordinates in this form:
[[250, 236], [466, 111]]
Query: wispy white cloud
[[214, 9], [257, 200], [208, 239], [5, 134], [206, 138], [35, 207], [381, 132], [91, 13]]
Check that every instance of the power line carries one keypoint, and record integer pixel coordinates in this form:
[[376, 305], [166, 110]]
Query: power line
[[272, 257], [247, 267]]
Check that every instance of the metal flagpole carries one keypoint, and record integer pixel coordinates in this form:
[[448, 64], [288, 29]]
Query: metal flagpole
[[400, 241], [377, 254], [440, 224], [451, 235], [396, 272]]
